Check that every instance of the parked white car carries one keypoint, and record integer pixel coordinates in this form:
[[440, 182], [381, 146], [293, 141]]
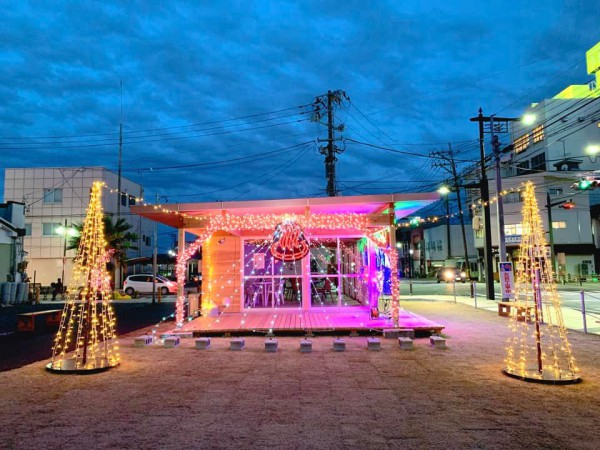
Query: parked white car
[[142, 283]]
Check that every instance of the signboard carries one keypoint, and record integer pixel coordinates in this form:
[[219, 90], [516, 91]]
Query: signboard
[[507, 282], [512, 239], [289, 243]]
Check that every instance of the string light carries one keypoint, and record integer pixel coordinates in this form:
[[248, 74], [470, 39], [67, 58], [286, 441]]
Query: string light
[[538, 349], [478, 204], [87, 326]]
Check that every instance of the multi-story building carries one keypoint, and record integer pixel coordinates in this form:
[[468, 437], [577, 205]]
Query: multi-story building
[[556, 144], [55, 199]]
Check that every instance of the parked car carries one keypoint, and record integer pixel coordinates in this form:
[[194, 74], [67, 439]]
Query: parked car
[[450, 274], [143, 283]]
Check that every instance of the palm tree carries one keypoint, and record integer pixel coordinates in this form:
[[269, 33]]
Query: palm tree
[[118, 237]]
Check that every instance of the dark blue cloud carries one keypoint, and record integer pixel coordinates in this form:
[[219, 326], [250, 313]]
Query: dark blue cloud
[[415, 73]]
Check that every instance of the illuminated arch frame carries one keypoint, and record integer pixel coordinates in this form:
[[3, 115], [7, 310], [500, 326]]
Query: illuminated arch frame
[[268, 222]]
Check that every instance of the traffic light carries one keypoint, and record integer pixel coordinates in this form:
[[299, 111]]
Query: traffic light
[[585, 185], [567, 205]]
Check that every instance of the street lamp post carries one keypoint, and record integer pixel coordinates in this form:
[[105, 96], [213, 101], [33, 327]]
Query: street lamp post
[[65, 231]]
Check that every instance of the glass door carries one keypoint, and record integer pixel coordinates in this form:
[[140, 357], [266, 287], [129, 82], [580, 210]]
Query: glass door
[[339, 272]]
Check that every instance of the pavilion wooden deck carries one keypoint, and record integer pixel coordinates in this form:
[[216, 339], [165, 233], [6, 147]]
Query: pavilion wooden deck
[[344, 320]]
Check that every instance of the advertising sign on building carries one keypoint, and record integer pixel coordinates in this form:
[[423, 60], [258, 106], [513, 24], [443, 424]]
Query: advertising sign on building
[[507, 282]]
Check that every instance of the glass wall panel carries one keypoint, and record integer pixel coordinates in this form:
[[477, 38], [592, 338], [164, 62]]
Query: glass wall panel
[[270, 282], [257, 258]]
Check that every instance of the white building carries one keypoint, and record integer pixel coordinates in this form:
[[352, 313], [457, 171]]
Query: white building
[[441, 252], [59, 196], [12, 230]]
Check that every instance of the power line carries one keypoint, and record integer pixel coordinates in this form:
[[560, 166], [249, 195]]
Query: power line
[[157, 129], [256, 156]]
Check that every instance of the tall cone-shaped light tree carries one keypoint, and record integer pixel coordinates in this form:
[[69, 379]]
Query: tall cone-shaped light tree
[[86, 340], [538, 348]]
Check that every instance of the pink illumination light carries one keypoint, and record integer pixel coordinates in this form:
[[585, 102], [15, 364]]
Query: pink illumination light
[[348, 222]]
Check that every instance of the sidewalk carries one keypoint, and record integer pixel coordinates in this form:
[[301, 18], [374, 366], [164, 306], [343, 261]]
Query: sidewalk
[[573, 319]]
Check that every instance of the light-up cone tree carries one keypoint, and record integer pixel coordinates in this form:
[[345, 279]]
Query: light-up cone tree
[[538, 348], [86, 340]]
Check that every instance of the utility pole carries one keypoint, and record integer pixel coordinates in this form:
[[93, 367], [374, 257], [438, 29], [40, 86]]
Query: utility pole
[[328, 102], [154, 258], [448, 234], [120, 157], [457, 188], [330, 159], [119, 194], [497, 125], [502, 255], [485, 198], [460, 211]]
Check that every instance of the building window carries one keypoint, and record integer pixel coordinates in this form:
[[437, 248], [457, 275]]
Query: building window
[[523, 168], [49, 229], [513, 197], [521, 143], [148, 241], [439, 246], [53, 196], [559, 224], [538, 163], [555, 191], [131, 200], [538, 134], [123, 199], [27, 229], [514, 229]]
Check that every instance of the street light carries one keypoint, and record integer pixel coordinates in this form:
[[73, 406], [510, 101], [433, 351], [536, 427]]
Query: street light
[[65, 231], [528, 119], [592, 151], [445, 191]]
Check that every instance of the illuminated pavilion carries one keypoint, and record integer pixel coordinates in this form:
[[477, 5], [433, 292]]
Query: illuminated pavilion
[[299, 264]]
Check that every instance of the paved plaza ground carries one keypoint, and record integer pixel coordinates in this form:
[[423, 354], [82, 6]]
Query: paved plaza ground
[[184, 398]]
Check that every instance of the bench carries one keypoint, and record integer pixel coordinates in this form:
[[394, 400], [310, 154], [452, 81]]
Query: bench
[[45, 291], [26, 321], [523, 312]]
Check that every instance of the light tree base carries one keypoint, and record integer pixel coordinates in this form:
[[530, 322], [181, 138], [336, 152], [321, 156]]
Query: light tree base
[[546, 377], [69, 366]]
